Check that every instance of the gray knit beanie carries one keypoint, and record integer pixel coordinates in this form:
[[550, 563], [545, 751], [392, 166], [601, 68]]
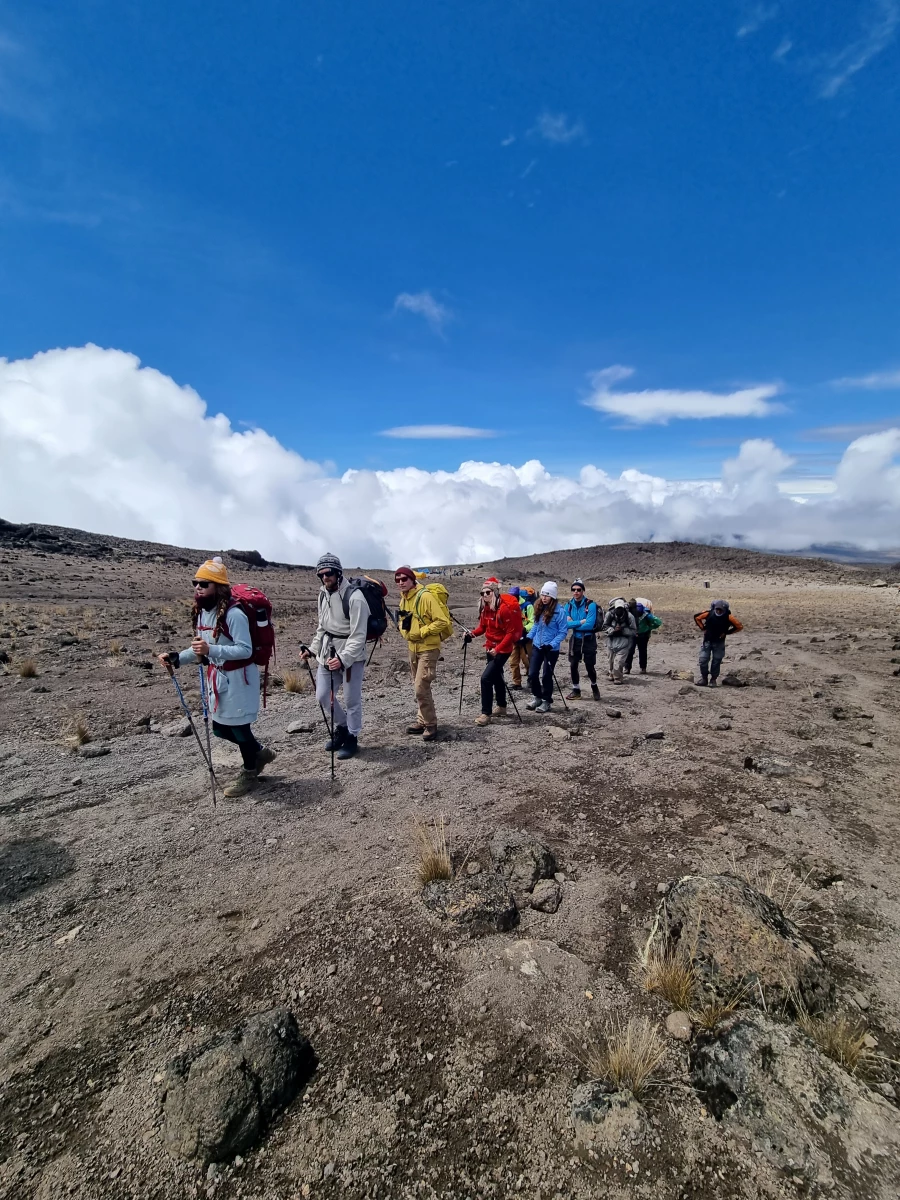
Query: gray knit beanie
[[329, 562]]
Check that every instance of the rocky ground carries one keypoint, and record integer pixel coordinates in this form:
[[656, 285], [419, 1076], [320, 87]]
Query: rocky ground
[[140, 923]]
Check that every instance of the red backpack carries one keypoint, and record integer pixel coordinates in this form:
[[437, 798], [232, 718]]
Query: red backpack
[[511, 604], [257, 608]]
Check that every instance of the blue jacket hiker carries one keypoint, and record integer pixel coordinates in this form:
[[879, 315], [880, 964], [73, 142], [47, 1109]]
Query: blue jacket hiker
[[582, 618], [547, 635]]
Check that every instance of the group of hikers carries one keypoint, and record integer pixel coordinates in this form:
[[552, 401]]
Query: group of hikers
[[520, 627]]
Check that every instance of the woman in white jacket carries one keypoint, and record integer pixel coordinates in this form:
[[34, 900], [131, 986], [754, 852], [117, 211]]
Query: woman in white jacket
[[221, 636]]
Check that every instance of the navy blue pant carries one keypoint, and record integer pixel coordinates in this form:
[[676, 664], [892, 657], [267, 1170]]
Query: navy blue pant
[[242, 736], [540, 672]]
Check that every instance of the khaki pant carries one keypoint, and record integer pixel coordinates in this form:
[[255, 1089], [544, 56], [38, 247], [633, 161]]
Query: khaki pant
[[617, 664], [520, 657], [423, 668]]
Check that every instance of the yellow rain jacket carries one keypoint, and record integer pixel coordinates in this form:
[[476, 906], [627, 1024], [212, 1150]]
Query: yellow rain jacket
[[428, 622]]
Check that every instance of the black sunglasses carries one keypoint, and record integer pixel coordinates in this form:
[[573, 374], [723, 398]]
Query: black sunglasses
[[577, 588], [327, 574], [203, 583]]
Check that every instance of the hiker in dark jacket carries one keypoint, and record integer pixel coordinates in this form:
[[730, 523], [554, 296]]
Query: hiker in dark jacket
[[621, 630], [716, 623], [581, 616], [547, 635], [646, 624]]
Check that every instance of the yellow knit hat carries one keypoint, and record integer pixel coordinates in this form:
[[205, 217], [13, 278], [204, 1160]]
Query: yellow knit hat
[[213, 570]]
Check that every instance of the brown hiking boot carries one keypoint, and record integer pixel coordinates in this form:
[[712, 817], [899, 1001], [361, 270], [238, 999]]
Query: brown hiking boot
[[501, 710], [483, 719], [244, 783], [430, 734], [417, 728], [264, 757]]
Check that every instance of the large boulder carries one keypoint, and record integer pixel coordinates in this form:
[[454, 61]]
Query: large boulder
[[737, 937], [521, 858], [802, 1112], [478, 903], [219, 1099]]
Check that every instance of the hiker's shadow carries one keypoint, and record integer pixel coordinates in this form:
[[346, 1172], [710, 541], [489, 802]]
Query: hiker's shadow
[[297, 793]]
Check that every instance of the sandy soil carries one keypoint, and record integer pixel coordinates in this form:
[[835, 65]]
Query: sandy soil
[[137, 920]]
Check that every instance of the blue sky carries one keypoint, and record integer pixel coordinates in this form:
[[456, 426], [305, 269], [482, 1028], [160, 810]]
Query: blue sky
[[334, 220]]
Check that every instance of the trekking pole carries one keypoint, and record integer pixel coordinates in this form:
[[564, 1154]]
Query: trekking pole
[[203, 701], [187, 713], [331, 682], [510, 696], [559, 689], [462, 683], [312, 681]]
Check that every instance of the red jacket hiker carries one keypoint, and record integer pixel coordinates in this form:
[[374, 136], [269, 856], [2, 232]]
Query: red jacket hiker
[[501, 627]]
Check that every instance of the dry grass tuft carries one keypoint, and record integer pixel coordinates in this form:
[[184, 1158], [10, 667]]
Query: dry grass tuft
[[625, 1056], [781, 885], [434, 852], [293, 681], [27, 668], [668, 971], [711, 1011], [840, 1038], [78, 734], [115, 646]]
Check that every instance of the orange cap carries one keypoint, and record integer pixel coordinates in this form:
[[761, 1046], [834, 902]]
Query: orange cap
[[213, 570]]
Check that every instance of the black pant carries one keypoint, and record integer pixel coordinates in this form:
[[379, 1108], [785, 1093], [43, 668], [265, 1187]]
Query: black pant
[[583, 648], [643, 640], [493, 683], [242, 736], [540, 672]]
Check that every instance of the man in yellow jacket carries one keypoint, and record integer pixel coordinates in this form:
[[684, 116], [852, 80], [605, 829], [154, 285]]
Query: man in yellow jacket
[[422, 623]]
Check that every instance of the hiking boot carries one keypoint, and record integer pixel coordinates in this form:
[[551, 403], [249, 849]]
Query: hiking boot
[[350, 746], [704, 682], [430, 734], [532, 703], [643, 670], [415, 728], [595, 692], [341, 733], [713, 683], [501, 710], [264, 757], [515, 687], [575, 694], [544, 706], [618, 681], [244, 783], [483, 719]]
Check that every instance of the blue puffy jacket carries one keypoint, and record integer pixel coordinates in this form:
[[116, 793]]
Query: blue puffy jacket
[[552, 635], [581, 618]]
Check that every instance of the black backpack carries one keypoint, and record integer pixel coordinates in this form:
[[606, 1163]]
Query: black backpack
[[374, 594]]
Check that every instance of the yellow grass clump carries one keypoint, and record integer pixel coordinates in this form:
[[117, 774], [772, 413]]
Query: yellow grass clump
[[433, 852], [27, 668], [626, 1055], [293, 681]]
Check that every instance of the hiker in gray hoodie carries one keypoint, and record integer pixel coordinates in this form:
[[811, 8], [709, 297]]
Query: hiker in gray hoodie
[[339, 647], [621, 630]]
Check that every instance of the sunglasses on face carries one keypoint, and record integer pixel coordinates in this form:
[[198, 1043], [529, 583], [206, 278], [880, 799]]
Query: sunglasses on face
[[202, 583], [577, 589], [327, 574]]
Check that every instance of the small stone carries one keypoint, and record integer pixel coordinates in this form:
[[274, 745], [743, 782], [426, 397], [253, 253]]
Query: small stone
[[720, 829], [92, 750], [661, 889], [654, 735], [474, 867], [779, 806], [176, 729], [678, 1026], [331, 969], [546, 896], [870, 1043], [615, 713], [886, 1090], [688, 690], [255, 923], [301, 727], [69, 937], [861, 1000], [75, 781], [558, 734], [559, 877], [723, 726], [327, 1170]]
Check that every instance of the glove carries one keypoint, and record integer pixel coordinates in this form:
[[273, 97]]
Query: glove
[[173, 657], [467, 638]]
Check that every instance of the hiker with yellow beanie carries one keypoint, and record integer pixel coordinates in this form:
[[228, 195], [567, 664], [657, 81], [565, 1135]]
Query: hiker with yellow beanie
[[222, 635]]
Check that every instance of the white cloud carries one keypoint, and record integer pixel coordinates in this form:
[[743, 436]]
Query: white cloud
[[557, 129], [658, 406], [423, 304], [877, 381], [89, 438], [437, 431], [782, 50], [759, 15], [879, 31]]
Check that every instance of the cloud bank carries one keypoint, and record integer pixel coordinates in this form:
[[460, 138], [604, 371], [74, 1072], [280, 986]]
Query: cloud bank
[[90, 438]]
